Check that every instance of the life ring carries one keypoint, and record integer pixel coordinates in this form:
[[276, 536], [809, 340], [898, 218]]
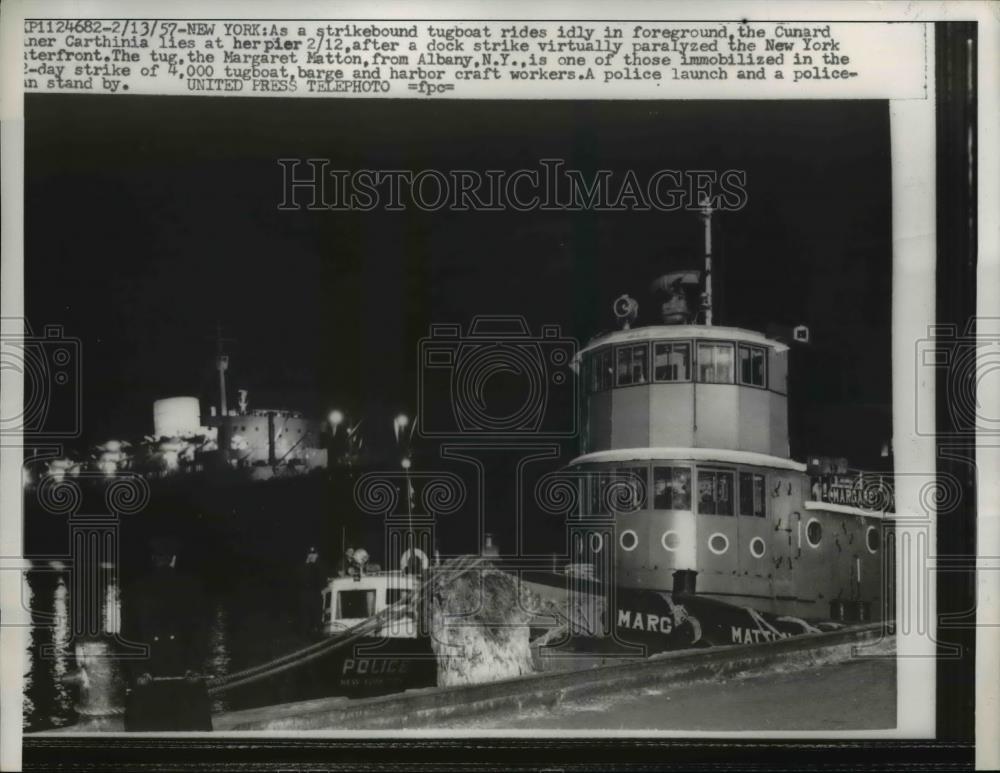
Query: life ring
[[404, 560]]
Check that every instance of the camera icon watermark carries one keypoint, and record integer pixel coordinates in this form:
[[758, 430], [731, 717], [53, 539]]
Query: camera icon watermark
[[497, 380], [967, 358], [50, 365]]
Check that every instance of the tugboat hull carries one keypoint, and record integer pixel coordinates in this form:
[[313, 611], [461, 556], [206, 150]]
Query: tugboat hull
[[365, 668], [661, 621]]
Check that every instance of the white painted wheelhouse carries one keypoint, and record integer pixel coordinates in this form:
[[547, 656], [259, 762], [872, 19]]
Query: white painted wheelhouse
[[351, 600], [685, 386]]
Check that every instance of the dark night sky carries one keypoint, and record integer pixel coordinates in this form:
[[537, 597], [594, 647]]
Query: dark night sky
[[148, 219]]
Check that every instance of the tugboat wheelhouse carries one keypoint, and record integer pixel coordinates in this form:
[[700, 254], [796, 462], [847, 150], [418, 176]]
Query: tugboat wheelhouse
[[685, 453]]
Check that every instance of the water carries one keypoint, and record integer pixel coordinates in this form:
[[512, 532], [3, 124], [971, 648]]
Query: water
[[48, 701], [248, 624]]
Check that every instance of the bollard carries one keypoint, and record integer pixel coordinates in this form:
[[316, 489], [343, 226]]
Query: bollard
[[101, 686], [685, 582], [858, 611]]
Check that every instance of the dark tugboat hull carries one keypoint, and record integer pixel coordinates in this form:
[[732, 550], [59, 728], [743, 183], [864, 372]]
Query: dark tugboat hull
[[366, 668], [662, 621]]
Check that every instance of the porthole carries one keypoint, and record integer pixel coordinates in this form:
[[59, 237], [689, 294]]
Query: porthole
[[596, 543], [670, 540], [757, 547], [814, 533], [873, 539], [629, 540], [718, 543]]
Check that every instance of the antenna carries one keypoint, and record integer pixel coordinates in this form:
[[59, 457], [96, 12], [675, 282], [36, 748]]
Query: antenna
[[706, 215]]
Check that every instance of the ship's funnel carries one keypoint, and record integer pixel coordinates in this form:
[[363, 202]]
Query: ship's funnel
[[176, 417], [671, 292]]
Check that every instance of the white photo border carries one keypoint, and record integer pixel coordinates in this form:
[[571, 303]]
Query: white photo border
[[914, 265]]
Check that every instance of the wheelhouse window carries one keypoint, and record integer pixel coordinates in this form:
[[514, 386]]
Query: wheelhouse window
[[598, 493], [715, 363], [752, 494], [601, 375], [672, 488], [353, 604], [672, 361], [632, 364], [753, 365], [715, 492], [631, 495]]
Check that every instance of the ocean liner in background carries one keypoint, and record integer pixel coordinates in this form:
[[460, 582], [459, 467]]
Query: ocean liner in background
[[263, 442], [237, 486]]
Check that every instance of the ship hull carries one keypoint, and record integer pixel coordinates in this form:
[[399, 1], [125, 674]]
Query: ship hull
[[662, 621], [366, 668], [641, 622]]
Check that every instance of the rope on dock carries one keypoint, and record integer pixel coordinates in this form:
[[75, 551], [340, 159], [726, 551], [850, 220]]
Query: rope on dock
[[452, 570]]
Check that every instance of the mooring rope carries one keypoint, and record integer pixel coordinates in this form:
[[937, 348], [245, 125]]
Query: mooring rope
[[452, 570]]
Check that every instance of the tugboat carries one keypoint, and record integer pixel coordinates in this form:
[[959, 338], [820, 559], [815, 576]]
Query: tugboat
[[718, 536]]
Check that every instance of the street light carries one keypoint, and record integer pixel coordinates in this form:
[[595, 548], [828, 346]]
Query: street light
[[336, 418]]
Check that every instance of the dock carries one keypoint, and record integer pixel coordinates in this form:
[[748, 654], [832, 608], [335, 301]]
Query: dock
[[569, 686]]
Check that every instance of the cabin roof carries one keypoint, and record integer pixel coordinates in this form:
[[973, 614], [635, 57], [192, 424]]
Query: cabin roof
[[721, 455], [372, 580]]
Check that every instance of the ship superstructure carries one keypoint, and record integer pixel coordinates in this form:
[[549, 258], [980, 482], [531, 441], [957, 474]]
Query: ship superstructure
[[262, 442], [685, 445]]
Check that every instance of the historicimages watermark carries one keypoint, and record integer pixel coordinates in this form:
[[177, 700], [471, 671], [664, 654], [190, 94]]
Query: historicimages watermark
[[314, 184]]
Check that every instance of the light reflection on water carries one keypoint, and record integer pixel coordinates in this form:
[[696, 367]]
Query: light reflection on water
[[60, 644], [48, 699], [112, 609], [28, 705], [217, 662]]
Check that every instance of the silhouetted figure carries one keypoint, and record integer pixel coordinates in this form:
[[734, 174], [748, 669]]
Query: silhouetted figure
[[166, 611], [674, 308], [312, 579]]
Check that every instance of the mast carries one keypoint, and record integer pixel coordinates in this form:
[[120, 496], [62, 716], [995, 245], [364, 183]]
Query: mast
[[221, 364], [706, 216]]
